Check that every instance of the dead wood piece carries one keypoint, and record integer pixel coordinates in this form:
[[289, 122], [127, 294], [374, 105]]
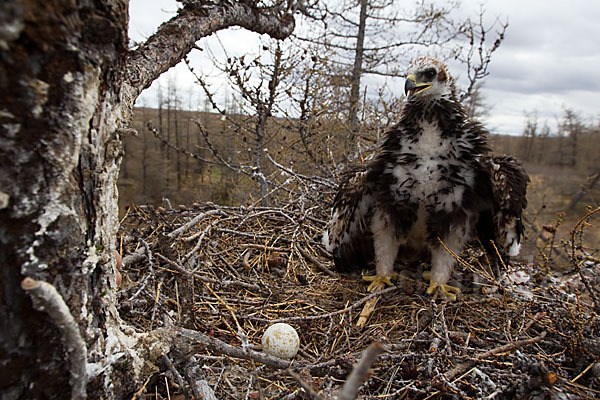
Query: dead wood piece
[[197, 219], [46, 299], [316, 262], [168, 365], [304, 385], [135, 257], [360, 372], [186, 337]]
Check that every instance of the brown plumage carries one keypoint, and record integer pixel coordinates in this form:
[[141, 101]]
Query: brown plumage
[[432, 180]]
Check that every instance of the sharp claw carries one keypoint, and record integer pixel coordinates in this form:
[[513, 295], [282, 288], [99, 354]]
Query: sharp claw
[[377, 280], [447, 291], [432, 286]]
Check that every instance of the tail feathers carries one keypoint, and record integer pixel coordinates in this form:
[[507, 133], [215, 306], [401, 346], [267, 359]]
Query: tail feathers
[[513, 237], [358, 254]]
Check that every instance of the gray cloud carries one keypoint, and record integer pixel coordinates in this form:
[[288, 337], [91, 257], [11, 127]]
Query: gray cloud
[[548, 61]]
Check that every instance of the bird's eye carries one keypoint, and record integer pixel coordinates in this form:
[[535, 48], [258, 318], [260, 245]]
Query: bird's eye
[[429, 74]]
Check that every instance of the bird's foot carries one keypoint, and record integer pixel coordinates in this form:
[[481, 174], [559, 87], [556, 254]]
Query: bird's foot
[[448, 292], [379, 282]]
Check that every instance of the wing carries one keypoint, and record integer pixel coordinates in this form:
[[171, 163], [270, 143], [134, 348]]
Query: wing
[[348, 236], [507, 189], [509, 186]]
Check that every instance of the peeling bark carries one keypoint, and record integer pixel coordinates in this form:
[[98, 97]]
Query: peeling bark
[[67, 87]]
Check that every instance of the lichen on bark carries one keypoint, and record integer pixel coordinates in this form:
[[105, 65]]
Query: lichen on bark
[[68, 85]]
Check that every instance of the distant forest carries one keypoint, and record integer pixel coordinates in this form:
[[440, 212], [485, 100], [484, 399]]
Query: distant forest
[[177, 158], [171, 157]]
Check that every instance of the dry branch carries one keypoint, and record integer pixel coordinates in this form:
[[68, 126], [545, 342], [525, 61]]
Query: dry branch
[[46, 299], [462, 367], [185, 337], [197, 19], [360, 373], [574, 259]]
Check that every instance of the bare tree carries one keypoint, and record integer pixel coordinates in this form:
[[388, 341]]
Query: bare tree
[[380, 38], [572, 127], [476, 54], [530, 132], [543, 136], [258, 82], [475, 103], [363, 36], [69, 83]]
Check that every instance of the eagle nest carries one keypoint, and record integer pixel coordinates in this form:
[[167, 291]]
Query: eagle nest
[[227, 273]]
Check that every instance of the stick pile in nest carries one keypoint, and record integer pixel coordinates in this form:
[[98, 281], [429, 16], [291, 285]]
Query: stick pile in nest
[[221, 275]]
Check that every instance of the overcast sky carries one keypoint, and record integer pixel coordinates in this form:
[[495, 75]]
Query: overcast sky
[[549, 60]]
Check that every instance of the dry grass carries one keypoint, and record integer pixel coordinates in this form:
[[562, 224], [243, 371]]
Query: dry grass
[[230, 272]]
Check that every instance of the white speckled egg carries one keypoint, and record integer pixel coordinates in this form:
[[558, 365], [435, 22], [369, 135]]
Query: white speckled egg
[[281, 340]]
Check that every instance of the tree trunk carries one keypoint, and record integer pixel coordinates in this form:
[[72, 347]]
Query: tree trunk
[[357, 69], [67, 87], [60, 155]]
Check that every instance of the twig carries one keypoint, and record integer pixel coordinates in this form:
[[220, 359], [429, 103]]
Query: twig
[[140, 392], [150, 272], [156, 302], [239, 327], [46, 298], [184, 228], [264, 247], [331, 314], [197, 380], [223, 282], [168, 365], [540, 235], [460, 368], [445, 328], [583, 372], [188, 336], [316, 262], [360, 372], [200, 240], [314, 179], [135, 257], [307, 388], [578, 265]]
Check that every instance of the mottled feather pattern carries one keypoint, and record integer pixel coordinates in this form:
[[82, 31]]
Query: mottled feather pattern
[[432, 179], [349, 238], [509, 184]]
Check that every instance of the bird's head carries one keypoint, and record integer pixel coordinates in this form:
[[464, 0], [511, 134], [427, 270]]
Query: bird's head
[[428, 78]]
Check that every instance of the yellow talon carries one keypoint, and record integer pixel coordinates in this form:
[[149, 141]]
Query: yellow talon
[[377, 280], [448, 292]]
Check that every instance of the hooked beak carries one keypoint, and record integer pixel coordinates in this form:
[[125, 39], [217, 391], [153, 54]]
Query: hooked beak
[[411, 86]]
